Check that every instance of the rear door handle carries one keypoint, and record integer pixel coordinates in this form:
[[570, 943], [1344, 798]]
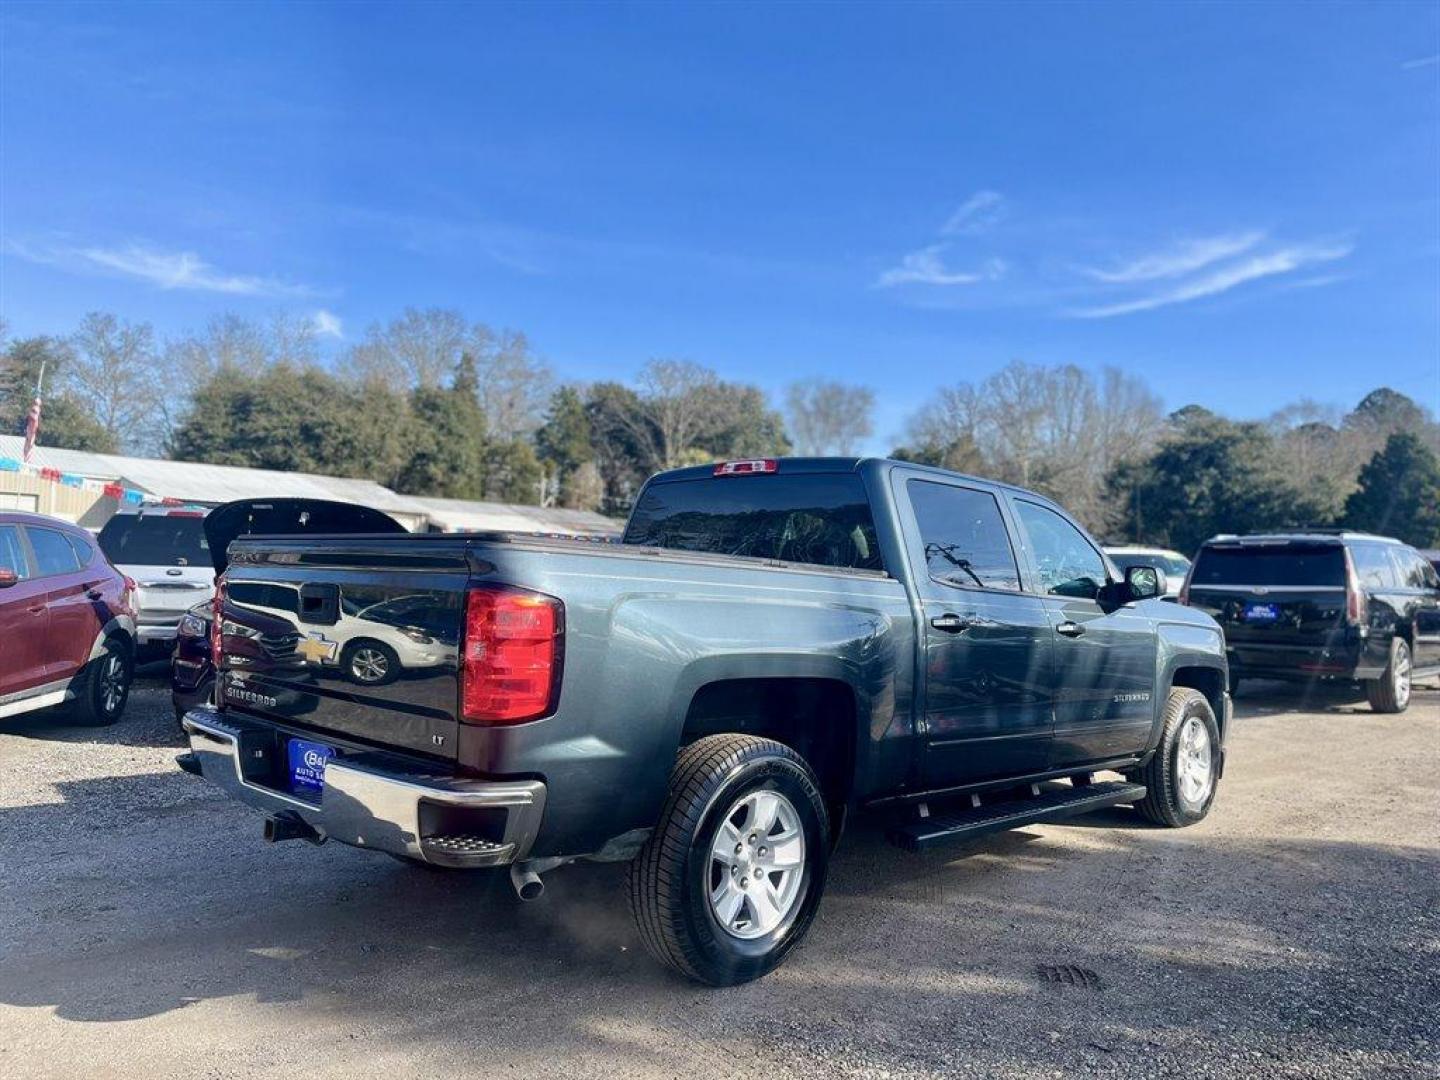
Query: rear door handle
[[1070, 628]]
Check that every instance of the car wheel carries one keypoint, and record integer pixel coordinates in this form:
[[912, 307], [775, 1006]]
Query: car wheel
[[1180, 777], [103, 686], [1391, 692], [731, 878], [370, 663]]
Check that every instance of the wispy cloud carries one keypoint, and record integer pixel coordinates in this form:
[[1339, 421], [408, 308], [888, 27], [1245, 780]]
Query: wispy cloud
[[927, 267], [1223, 279], [327, 324], [183, 270], [980, 212], [1420, 62], [1179, 260]]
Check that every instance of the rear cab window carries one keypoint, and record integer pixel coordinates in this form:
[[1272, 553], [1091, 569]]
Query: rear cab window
[[1293, 565], [822, 519], [966, 541], [155, 540]]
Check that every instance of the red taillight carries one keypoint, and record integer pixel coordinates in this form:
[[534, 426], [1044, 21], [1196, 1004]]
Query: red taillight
[[510, 663], [1355, 612], [747, 468], [1183, 597], [216, 618]]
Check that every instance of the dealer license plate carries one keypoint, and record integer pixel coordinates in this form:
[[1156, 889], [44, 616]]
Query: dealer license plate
[[307, 767]]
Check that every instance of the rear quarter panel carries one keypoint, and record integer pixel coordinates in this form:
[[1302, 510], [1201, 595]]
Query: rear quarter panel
[[644, 634]]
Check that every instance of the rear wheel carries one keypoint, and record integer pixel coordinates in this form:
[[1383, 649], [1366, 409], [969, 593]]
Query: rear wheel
[[1180, 777], [731, 878], [1391, 692], [103, 686]]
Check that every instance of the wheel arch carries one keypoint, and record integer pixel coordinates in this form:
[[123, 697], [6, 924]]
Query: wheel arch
[[815, 716], [1209, 681]]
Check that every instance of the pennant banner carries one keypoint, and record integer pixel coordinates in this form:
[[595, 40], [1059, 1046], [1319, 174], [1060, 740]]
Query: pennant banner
[[118, 492]]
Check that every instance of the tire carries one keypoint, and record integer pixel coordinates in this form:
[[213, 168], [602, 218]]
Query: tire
[[1391, 692], [370, 663], [103, 686], [678, 884], [1172, 796]]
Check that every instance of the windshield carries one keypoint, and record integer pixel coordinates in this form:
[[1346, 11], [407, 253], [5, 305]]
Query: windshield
[[1290, 564], [820, 518], [155, 540]]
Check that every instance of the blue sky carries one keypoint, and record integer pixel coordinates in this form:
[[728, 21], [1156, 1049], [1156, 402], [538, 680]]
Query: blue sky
[[1240, 202]]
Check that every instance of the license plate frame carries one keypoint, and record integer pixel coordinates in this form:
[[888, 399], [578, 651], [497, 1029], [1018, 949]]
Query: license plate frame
[[305, 767]]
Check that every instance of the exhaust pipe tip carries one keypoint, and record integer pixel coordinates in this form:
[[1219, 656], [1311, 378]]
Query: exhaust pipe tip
[[527, 883]]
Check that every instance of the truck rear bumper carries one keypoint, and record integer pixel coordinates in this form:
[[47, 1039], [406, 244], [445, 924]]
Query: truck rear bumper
[[448, 821]]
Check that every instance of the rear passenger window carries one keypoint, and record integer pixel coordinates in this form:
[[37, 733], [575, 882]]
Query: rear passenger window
[[12, 552], [1414, 571], [53, 553], [83, 551], [1069, 565], [1373, 566], [966, 542]]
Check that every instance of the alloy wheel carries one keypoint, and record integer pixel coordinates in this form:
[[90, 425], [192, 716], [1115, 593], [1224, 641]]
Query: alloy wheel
[[1194, 767], [369, 665], [757, 864]]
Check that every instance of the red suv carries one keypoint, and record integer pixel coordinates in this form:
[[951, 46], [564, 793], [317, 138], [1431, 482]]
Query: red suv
[[66, 620]]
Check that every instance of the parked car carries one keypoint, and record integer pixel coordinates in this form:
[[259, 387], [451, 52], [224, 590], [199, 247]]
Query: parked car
[[775, 646], [1432, 556], [1323, 606], [1174, 565], [192, 669], [163, 551], [67, 622]]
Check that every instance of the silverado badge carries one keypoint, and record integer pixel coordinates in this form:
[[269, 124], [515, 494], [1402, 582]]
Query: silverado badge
[[315, 649]]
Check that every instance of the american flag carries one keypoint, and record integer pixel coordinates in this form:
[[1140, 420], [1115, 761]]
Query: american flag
[[32, 421]]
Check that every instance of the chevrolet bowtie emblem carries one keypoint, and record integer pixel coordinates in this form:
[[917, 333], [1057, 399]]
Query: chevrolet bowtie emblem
[[315, 649]]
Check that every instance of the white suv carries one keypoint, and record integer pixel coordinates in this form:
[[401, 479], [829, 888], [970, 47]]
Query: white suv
[[164, 551]]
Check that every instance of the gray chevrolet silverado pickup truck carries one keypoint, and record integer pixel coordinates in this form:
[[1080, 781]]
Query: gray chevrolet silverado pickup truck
[[773, 647]]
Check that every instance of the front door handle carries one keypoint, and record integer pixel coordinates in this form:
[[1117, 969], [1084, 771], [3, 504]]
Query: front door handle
[[952, 623], [1070, 628], [94, 594]]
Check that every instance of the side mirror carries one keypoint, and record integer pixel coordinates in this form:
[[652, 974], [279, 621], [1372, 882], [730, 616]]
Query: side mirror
[[8, 577], [1144, 582]]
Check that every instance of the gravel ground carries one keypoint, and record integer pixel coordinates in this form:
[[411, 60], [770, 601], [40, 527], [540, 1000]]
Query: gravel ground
[[145, 930]]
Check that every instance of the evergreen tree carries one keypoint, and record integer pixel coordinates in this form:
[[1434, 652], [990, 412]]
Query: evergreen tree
[[1399, 493]]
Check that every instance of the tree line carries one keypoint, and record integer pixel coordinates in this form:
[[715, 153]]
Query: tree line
[[432, 403]]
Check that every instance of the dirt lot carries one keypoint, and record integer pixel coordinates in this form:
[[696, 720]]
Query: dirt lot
[[145, 930]]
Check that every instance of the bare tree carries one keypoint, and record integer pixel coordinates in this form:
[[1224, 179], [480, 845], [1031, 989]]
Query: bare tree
[[675, 409], [515, 384], [420, 348], [115, 374], [1053, 429], [828, 417]]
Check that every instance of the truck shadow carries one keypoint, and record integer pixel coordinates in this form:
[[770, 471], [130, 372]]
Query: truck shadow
[[166, 898], [146, 721]]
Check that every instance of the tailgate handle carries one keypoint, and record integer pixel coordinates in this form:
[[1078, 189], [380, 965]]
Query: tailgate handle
[[319, 603]]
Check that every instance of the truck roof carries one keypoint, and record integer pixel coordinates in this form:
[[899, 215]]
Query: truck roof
[[793, 465]]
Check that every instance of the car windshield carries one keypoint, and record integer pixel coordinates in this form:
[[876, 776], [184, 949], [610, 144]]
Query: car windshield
[[821, 518], [1281, 565], [155, 540]]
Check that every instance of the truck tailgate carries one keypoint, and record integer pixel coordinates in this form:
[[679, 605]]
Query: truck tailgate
[[358, 636]]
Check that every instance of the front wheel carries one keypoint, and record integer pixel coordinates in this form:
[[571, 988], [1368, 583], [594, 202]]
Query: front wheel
[[370, 663], [1180, 777], [731, 878], [1391, 692]]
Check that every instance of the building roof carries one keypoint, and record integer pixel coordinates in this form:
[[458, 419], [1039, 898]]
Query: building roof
[[463, 515], [213, 484]]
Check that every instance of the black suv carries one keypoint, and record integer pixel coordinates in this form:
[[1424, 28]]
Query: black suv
[[1316, 605]]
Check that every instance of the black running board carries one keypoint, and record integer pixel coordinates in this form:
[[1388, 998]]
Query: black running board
[[1051, 804]]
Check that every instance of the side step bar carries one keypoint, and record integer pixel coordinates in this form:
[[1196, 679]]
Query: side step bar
[[1051, 804]]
